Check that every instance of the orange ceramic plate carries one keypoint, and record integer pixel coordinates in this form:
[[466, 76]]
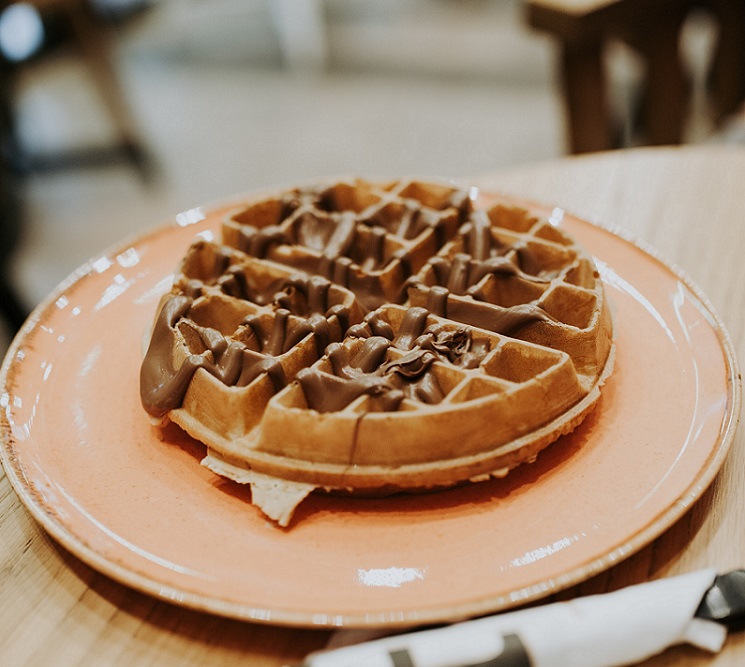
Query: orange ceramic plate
[[82, 456]]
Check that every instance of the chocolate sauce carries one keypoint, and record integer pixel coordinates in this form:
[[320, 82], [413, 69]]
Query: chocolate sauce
[[391, 362], [478, 237], [258, 242], [505, 321], [437, 300], [326, 393], [390, 377], [341, 241], [305, 197], [457, 346], [163, 387], [344, 255], [412, 326], [461, 273], [373, 325]]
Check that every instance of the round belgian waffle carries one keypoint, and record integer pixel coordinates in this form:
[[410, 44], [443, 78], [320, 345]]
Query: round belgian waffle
[[377, 337]]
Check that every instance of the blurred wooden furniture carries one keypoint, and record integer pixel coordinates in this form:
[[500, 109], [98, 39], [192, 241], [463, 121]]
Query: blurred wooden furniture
[[92, 39], [688, 202], [12, 311], [652, 27], [88, 35]]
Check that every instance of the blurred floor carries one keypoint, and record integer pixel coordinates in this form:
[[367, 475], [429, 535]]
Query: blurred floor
[[432, 87]]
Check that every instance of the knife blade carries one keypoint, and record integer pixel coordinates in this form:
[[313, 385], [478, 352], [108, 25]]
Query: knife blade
[[606, 630]]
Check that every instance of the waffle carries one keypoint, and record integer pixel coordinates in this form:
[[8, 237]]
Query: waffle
[[372, 338]]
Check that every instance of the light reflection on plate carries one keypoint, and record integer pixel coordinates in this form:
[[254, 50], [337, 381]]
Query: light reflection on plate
[[82, 456]]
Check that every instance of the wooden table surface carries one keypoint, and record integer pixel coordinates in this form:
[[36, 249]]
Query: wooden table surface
[[687, 202]]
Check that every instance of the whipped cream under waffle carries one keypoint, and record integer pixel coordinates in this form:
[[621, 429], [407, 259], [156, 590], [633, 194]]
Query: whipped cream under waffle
[[371, 338]]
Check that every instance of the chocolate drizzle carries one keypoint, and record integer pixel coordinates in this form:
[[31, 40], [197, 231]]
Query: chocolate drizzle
[[258, 242], [356, 248], [484, 255], [388, 366], [463, 275], [235, 361], [162, 387], [407, 222], [332, 239]]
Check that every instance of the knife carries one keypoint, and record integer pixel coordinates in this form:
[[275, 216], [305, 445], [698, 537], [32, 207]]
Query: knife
[[724, 601], [606, 630]]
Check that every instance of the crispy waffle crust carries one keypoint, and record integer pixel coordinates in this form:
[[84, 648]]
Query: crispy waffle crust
[[372, 338]]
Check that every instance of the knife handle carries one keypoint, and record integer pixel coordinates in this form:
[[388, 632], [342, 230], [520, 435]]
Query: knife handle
[[724, 602]]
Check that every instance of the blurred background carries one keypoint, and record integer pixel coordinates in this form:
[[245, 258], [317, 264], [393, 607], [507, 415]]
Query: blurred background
[[118, 114]]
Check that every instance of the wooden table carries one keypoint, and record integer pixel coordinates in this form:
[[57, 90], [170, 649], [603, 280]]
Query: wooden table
[[687, 202]]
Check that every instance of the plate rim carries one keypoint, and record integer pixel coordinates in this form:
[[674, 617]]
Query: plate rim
[[389, 619]]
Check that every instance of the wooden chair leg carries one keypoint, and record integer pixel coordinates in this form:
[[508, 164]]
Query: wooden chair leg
[[667, 86], [585, 95], [95, 49], [727, 76], [12, 309]]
